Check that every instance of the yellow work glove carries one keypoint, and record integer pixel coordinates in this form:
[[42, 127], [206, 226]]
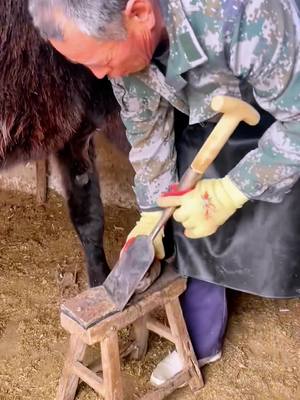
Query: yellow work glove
[[202, 210], [145, 226]]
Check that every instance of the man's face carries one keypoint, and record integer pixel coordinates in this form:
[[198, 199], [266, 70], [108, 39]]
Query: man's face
[[115, 58]]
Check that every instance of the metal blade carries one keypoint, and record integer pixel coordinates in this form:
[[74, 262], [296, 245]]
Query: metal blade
[[129, 270]]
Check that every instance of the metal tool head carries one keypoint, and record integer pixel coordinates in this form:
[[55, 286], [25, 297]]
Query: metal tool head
[[132, 266]]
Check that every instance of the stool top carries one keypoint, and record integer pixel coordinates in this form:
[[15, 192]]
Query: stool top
[[93, 306]]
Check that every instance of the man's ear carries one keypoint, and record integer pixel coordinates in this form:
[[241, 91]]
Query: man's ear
[[141, 12]]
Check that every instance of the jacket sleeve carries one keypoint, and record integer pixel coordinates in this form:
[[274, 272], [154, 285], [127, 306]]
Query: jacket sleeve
[[148, 120], [265, 51]]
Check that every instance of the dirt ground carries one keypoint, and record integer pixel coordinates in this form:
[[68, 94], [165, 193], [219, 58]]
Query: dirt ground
[[38, 247]]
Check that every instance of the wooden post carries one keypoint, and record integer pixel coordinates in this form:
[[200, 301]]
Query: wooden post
[[183, 343], [41, 181], [69, 381], [162, 391], [141, 335], [112, 378]]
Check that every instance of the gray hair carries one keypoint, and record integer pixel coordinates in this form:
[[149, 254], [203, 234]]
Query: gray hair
[[99, 18]]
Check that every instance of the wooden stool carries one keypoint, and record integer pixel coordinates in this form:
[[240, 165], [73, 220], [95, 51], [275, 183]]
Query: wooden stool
[[90, 318]]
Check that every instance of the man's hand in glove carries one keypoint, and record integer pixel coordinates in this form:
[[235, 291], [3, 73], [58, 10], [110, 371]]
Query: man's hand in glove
[[144, 226], [202, 210]]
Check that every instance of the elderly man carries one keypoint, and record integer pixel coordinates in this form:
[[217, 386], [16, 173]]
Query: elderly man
[[239, 227]]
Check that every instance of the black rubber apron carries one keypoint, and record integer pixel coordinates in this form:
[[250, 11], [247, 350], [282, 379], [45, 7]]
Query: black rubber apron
[[258, 249]]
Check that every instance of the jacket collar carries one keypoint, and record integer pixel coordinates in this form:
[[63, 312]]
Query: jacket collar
[[185, 50]]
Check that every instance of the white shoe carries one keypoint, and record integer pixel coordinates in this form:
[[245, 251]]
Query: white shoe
[[172, 365], [166, 369], [209, 359]]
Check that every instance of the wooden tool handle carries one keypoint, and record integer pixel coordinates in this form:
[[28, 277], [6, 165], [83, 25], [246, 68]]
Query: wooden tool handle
[[234, 111]]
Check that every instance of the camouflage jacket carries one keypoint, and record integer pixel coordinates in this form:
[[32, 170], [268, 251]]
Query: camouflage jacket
[[214, 45]]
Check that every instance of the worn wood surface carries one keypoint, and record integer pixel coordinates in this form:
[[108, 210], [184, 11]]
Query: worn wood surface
[[160, 329], [141, 336], [69, 380], [41, 181], [90, 307], [183, 343], [91, 318], [89, 377], [111, 367], [91, 313], [169, 387]]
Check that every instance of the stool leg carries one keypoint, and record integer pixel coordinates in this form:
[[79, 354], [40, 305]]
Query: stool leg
[[141, 335], [112, 378], [183, 343], [69, 381]]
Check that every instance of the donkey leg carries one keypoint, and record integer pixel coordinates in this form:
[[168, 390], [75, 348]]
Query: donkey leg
[[80, 179]]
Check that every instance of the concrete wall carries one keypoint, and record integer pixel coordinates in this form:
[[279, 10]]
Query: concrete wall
[[116, 176]]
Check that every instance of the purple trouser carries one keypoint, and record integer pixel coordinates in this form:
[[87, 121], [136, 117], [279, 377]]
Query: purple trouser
[[204, 307]]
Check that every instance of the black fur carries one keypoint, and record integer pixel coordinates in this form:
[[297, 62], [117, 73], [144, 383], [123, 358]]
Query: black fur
[[49, 105]]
